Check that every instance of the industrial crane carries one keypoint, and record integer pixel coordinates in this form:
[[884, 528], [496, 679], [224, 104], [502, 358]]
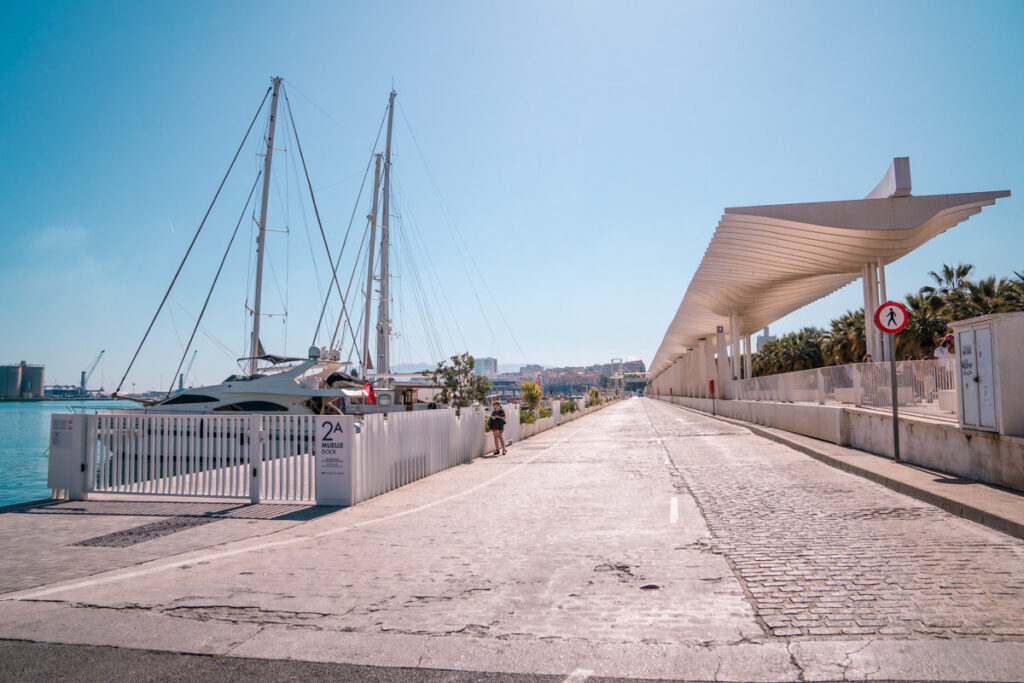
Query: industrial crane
[[87, 374], [188, 368]]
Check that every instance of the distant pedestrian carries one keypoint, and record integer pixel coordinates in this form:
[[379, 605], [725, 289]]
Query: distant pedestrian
[[944, 350], [497, 422]]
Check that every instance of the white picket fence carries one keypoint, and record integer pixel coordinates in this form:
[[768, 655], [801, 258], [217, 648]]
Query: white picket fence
[[271, 457], [203, 455]]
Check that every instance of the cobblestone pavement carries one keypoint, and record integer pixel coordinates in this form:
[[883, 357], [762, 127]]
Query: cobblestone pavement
[[823, 553]]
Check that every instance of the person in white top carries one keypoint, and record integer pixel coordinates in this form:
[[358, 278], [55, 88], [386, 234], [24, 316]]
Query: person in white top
[[945, 349]]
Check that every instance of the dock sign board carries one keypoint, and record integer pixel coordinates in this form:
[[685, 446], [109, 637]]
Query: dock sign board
[[333, 454], [891, 317]]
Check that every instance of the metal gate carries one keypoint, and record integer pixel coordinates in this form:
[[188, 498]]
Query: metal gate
[[259, 457]]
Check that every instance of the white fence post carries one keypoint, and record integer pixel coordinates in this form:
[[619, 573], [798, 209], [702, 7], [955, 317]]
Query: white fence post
[[254, 456]]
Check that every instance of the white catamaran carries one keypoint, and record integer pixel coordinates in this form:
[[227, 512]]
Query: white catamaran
[[318, 383]]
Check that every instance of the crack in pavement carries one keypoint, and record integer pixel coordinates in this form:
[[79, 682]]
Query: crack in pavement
[[848, 660], [794, 662]]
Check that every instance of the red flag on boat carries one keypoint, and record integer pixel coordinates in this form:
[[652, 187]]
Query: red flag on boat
[[371, 397]]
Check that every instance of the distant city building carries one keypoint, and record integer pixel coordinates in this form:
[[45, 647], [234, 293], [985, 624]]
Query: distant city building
[[21, 381], [506, 385], [764, 338], [488, 367], [531, 370]]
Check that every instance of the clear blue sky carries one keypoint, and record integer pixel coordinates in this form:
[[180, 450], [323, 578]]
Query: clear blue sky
[[585, 150]]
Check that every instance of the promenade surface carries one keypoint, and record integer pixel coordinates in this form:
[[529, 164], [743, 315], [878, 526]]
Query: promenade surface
[[642, 541]]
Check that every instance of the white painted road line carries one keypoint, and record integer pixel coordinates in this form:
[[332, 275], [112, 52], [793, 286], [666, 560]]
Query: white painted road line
[[578, 675], [673, 511]]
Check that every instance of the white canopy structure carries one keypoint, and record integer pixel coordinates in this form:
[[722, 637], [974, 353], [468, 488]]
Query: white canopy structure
[[765, 262]]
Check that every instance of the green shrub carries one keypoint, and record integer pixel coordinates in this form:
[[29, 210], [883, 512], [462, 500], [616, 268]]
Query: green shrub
[[569, 407], [545, 412], [526, 417]]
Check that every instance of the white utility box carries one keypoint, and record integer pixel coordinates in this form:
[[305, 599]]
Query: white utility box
[[69, 449], [990, 372]]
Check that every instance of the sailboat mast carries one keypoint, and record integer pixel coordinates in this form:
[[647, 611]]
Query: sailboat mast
[[383, 321], [260, 239], [366, 362]]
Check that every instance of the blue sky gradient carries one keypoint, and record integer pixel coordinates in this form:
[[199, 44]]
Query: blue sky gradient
[[585, 151]]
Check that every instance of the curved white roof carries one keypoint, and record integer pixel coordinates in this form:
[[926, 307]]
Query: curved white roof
[[765, 262]]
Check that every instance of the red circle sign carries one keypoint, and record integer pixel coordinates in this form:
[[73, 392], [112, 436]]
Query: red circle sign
[[891, 317]]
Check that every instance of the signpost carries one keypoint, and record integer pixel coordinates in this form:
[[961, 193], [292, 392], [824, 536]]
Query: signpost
[[334, 434], [891, 318]]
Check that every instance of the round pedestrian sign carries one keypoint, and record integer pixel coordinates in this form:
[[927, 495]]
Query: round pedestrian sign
[[891, 317]]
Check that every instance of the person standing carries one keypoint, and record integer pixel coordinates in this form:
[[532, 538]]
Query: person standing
[[497, 421]]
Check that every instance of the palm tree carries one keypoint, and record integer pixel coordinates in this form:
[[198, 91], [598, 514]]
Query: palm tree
[[789, 353], [845, 340], [925, 326], [1012, 292], [974, 299], [949, 279]]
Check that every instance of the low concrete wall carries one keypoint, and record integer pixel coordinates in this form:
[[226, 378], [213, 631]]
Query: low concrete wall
[[985, 456]]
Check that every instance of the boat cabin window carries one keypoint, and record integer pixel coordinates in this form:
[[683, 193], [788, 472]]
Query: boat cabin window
[[253, 406], [182, 399]]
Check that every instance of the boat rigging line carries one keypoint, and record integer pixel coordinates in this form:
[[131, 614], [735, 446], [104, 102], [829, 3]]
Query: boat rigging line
[[351, 220], [193, 242], [316, 210], [213, 284], [454, 229]]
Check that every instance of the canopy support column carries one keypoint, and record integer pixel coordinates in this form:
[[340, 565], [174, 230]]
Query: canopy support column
[[734, 345], [748, 359], [883, 348], [870, 304]]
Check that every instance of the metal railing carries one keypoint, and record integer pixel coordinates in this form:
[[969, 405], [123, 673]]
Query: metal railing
[[924, 387]]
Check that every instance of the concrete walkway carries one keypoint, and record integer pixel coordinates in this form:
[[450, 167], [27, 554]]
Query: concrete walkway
[[641, 541]]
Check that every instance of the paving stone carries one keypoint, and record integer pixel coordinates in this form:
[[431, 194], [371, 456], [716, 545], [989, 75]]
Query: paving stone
[[842, 549]]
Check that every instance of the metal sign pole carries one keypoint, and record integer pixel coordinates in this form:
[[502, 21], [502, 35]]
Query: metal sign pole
[[895, 399], [891, 318]]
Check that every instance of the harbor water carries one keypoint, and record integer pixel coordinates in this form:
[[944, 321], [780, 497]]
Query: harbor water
[[24, 441]]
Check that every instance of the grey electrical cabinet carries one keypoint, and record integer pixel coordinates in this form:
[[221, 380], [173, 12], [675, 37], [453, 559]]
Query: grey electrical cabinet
[[990, 372]]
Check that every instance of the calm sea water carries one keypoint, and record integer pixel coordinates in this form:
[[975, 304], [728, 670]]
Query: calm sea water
[[24, 439]]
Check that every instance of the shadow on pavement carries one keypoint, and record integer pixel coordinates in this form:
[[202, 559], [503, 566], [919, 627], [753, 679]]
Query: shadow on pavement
[[286, 512]]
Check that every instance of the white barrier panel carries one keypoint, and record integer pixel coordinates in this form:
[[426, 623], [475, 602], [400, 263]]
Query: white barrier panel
[[926, 387], [272, 457], [172, 455]]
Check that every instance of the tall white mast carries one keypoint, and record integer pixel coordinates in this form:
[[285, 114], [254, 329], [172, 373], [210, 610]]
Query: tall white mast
[[383, 321], [366, 362], [255, 344]]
